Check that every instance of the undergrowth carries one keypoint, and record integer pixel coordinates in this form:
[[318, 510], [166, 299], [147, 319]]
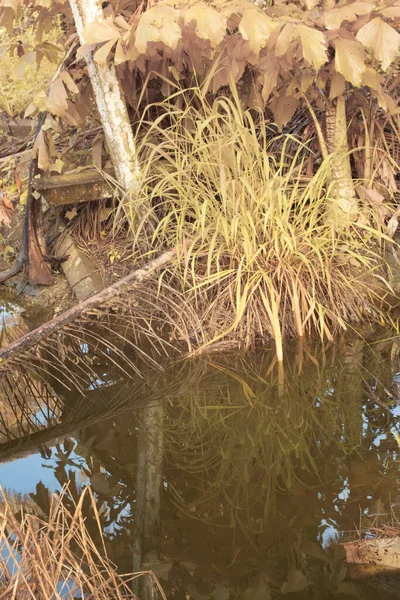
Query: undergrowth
[[262, 260], [28, 85]]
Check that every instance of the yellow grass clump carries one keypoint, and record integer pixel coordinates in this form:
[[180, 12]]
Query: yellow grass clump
[[264, 260]]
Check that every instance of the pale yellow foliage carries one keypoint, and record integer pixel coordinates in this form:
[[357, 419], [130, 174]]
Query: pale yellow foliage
[[382, 39], [16, 95], [314, 46], [350, 60], [210, 24], [158, 24], [334, 18], [256, 28]]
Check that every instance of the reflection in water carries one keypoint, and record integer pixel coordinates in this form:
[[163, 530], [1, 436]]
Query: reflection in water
[[226, 481]]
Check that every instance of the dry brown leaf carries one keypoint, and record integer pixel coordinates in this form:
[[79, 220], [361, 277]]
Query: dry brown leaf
[[14, 4], [71, 214], [269, 78], [40, 148], [371, 79], [392, 12], [4, 216], [338, 86], [382, 39], [283, 108], [57, 99], [96, 152], [392, 225], [69, 82]]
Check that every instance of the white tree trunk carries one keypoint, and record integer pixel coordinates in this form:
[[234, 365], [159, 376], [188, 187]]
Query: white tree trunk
[[110, 103]]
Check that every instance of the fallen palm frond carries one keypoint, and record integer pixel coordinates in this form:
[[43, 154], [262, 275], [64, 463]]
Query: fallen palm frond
[[57, 558], [75, 351]]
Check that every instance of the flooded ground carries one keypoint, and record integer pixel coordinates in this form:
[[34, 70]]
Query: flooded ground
[[228, 477]]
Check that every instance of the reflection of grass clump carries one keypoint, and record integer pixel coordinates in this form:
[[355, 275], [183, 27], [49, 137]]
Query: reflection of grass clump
[[16, 94], [265, 260]]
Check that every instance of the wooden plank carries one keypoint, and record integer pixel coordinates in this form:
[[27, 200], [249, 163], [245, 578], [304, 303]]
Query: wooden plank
[[73, 188]]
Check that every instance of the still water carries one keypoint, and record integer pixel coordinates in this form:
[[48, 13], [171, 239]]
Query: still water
[[227, 477]]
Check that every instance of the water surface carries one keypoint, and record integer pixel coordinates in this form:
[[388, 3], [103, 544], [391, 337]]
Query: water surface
[[226, 477]]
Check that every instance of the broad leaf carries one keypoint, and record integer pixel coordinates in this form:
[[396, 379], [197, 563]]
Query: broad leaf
[[371, 79], [159, 24], [255, 27], [40, 150], [7, 20], [101, 55], [334, 18], [338, 86], [14, 4], [350, 60], [210, 24], [283, 108], [69, 82], [310, 4], [284, 39], [393, 12], [382, 39], [314, 46], [18, 69], [269, 78], [57, 99], [100, 31]]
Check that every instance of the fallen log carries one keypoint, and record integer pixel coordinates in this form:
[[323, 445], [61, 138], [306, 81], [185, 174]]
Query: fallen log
[[379, 553], [73, 188], [40, 333]]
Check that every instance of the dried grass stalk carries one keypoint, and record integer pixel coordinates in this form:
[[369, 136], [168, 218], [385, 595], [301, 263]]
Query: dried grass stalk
[[57, 558]]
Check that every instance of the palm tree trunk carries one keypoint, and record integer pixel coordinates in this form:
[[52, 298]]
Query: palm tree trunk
[[343, 206]]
